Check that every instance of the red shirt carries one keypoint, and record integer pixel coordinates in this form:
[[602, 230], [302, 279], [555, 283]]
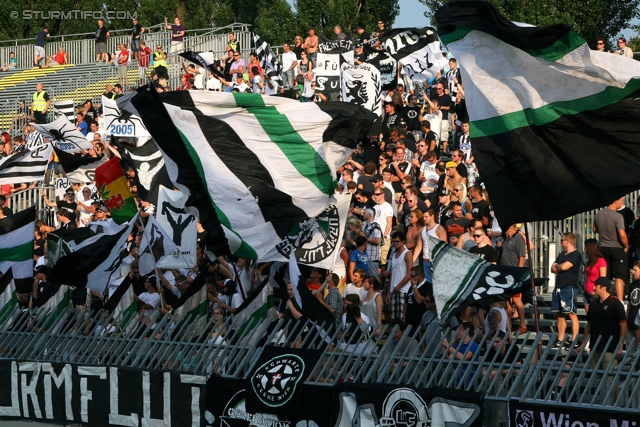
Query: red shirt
[[145, 54], [123, 57]]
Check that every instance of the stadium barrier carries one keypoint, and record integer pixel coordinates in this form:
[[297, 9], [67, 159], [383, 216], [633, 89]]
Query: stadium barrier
[[549, 381]]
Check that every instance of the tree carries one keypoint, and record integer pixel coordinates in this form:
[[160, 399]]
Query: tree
[[591, 19], [276, 22]]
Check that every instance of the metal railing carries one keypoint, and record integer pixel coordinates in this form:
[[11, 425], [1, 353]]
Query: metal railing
[[80, 47], [545, 233], [557, 377]]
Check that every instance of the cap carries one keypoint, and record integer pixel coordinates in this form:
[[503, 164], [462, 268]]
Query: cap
[[604, 282], [452, 165], [376, 178], [443, 192], [390, 147], [103, 208], [151, 278]]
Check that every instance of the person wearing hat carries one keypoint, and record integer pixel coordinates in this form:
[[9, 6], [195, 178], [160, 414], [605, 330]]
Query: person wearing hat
[[564, 301], [453, 177], [359, 57], [444, 206], [606, 320]]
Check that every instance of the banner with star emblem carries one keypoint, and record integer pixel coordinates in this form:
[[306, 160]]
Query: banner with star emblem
[[461, 279], [276, 382]]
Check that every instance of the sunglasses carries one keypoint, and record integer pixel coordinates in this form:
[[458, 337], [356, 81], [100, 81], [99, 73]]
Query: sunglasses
[[377, 194], [478, 235]]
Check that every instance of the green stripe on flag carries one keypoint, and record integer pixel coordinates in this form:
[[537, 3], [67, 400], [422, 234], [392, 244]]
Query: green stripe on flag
[[547, 114], [22, 252], [300, 153], [245, 250], [260, 314], [463, 285], [7, 309], [566, 44]]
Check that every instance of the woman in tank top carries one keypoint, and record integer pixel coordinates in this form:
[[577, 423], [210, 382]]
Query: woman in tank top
[[372, 303]]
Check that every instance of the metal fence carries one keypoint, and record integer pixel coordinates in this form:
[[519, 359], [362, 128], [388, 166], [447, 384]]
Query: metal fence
[[231, 349], [80, 48]]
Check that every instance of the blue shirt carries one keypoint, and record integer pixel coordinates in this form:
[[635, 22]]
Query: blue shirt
[[83, 128], [361, 260]]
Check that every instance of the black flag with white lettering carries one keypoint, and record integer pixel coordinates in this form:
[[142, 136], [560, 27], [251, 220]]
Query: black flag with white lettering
[[417, 49], [386, 64]]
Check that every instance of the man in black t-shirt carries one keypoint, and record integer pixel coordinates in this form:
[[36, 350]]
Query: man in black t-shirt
[[101, 42], [136, 32], [38, 47], [634, 303], [564, 301], [414, 303], [606, 319], [483, 246], [480, 207]]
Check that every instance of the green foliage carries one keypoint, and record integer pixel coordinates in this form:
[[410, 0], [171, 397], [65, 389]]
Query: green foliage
[[274, 20], [590, 18]]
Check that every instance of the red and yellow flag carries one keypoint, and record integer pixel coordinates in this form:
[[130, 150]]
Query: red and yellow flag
[[115, 192]]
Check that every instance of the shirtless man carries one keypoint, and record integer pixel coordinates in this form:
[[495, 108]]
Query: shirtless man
[[311, 45]]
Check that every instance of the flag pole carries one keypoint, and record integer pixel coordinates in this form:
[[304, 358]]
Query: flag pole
[[155, 266], [536, 317]]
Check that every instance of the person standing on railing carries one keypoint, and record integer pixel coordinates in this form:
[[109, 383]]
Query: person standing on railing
[[177, 36], [136, 33], [38, 48], [102, 33], [40, 104]]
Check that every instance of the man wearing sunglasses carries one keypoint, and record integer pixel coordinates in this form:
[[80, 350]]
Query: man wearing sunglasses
[[238, 66], [483, 246]]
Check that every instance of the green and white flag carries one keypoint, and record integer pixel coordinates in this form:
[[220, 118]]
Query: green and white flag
[[16, 243], [123, 307], [52, 304], [554, 124], [257, 308], [254, 166], [8, 299], [190, 311]]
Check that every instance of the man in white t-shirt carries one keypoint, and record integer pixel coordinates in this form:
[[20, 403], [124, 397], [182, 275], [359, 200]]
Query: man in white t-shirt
[[384, 218], [213, 83], [149, 301], [257, 86], [271, 85], [289, 63]]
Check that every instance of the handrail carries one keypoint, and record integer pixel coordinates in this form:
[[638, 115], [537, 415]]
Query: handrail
[[161, 27]]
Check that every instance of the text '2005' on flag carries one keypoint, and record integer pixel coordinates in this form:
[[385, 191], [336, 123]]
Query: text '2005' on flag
[[554, 125], [254, 166]]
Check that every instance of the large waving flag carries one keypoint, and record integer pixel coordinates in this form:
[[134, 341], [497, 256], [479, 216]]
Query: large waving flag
[[28, 165], [16, 243], [150, 169], [93, 264], [554, 124], [461, 279], [268, 59], [254, 166], [81, 169], [64, 135], [114, 190], [417, 50]]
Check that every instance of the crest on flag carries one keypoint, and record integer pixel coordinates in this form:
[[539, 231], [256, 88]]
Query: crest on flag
[[361, 86], [180, 224]]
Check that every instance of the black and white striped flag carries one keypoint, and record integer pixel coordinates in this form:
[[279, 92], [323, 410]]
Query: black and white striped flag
[[268, 59], [206, 59], [254, 166], [28, 165], [64, 108]]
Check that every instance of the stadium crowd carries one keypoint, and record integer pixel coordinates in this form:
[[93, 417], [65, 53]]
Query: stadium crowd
[[412, 179]]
